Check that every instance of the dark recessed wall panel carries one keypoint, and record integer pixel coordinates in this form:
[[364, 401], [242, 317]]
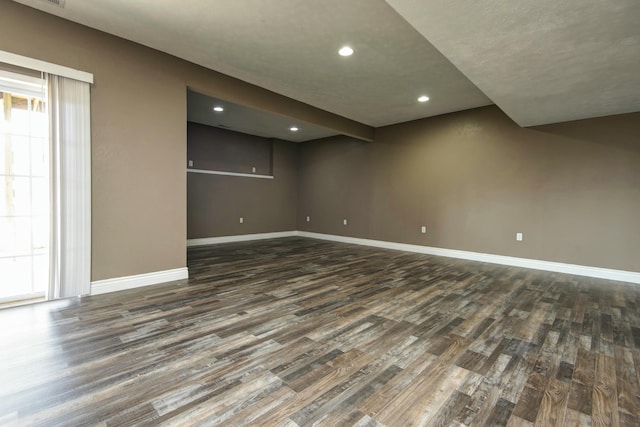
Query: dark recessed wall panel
[[216, 149], [215, 203]]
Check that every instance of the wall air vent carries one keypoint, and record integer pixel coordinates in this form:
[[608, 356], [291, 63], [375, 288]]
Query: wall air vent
[[59, 3]]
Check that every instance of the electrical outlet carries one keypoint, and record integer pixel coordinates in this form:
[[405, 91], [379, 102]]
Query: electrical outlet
[[519, 237], [190, 163], [308, 219], [253, 169], [344, 222], [423, 229], [241, 220]]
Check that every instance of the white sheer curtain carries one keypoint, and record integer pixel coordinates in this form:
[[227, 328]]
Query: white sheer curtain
[[70, 124]]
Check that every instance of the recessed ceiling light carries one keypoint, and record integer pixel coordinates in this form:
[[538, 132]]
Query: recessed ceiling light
[[423, 98], [218, 109], [293, 129], [345, 51]]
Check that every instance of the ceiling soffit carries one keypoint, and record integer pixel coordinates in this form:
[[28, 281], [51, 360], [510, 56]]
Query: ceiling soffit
[[542, 61]]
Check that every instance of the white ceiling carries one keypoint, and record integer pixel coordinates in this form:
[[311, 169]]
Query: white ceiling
[[540, 61]]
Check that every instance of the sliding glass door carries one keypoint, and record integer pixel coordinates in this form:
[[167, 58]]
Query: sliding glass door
[[24, 188]]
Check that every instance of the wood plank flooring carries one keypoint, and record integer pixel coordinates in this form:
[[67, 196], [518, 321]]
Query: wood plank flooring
[[305, 332]]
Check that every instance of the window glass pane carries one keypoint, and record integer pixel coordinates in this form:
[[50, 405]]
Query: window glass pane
[[39, 122], [40, 272], [19, 122], [14, 155], [24, 192], [15, 193], [16, 236], [39, 157], [40, 196], [40, 226], [16, 276]]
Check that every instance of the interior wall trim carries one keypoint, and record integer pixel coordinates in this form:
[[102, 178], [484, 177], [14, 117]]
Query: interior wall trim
[[136, 281], [240, 238], [47, 67], [246, 175], [578, 270], [557, 267]]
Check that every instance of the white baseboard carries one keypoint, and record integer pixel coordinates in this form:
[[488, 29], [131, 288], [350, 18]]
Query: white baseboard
[[558, 267], [240, 238], [579, 270], [129, 282]]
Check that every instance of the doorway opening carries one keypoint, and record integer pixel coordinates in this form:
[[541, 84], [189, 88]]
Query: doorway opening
[[24, 188]]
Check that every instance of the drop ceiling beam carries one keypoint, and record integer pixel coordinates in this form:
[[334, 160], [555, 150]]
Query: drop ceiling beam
[[221, 86]]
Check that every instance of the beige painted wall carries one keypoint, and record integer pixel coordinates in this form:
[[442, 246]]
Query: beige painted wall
[[138, 111], [475, 178], [138, 107]]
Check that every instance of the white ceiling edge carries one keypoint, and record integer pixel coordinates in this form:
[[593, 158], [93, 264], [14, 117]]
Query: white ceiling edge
[[540, 61]]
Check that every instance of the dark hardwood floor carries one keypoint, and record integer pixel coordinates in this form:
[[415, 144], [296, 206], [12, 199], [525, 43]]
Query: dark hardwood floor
[[302, 332]]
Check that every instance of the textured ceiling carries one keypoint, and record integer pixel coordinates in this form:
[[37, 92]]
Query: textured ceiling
[[541, 61], [290, 47]]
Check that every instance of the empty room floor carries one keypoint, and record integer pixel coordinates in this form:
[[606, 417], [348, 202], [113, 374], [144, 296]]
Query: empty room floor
[[300, 332]]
